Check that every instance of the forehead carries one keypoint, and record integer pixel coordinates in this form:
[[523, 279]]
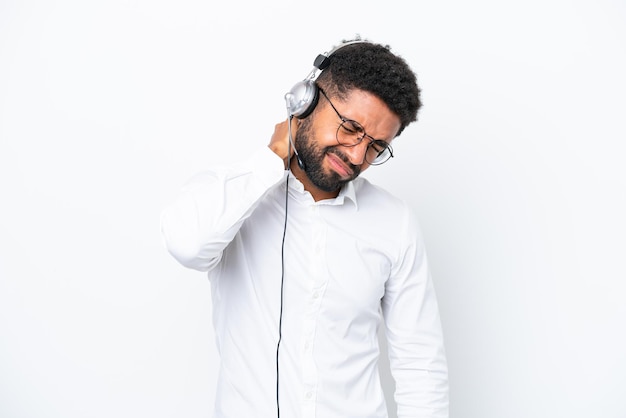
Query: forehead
[[370, 111]]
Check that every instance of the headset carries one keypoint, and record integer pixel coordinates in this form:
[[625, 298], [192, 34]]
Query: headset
[[304, 95], [301, 101]]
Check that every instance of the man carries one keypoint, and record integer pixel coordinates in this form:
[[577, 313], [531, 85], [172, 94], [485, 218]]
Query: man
[[306, 259]]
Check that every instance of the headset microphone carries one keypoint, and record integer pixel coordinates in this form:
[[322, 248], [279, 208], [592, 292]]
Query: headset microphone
[[304, 95], [299, 160]]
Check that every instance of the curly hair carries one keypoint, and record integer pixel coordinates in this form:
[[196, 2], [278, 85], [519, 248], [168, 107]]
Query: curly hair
[[374, 68]]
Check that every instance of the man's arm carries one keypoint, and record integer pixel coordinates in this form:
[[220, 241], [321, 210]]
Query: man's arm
[[206, 215], [414, 335]]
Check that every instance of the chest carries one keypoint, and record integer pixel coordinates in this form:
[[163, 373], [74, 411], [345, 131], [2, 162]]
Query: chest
[[331, 257]]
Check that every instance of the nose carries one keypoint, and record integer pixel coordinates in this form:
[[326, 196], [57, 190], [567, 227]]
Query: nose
[[356, 154]]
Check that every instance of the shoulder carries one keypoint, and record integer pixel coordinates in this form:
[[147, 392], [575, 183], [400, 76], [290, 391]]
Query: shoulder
[[389, 211], [393, 223], [373, 197]]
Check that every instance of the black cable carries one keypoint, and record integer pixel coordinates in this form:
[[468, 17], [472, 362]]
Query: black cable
[[282, 277]]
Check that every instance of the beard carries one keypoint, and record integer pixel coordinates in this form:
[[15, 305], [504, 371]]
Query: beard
[[313, 157]]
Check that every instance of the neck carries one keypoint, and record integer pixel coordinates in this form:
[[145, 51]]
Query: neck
[[317, 193]]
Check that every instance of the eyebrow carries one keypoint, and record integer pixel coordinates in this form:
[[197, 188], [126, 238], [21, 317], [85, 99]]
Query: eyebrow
[[344, 119]]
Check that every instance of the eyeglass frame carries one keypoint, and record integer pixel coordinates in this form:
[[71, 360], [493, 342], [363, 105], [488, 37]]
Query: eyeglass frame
[[372, 140]]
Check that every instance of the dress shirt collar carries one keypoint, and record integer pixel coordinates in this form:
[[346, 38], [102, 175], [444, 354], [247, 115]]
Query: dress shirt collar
[[347, 192]]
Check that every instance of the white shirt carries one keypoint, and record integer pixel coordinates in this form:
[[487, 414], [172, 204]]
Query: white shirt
[[350, 262]]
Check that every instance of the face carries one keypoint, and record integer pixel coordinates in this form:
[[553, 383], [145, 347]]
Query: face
[[330, 165]]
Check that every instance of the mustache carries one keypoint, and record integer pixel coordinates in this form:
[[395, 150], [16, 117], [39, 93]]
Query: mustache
[[356, 170]]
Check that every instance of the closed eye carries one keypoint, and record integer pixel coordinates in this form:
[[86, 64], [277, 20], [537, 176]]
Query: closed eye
[[351, 127], [379, 146]]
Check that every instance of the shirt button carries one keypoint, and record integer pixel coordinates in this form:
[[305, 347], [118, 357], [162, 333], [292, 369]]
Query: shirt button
[[308, 395], [316, 295]]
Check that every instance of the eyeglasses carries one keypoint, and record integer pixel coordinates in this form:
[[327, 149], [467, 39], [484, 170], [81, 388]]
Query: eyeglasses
[[350, 133]]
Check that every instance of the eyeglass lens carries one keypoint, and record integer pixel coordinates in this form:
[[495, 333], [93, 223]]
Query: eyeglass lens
[[351, 133]]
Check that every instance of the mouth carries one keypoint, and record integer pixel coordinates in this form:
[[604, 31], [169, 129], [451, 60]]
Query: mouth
[[339, 165]]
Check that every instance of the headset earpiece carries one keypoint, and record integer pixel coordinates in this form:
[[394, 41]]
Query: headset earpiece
[[302, 99]]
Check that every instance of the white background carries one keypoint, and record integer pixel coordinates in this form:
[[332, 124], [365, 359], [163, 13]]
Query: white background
[[515, 168]]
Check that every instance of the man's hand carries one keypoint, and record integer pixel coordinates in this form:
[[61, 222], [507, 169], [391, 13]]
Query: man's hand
[[280, 139]]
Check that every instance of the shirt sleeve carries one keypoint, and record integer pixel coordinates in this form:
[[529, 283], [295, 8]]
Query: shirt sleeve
[[212, 206], [414, 334]]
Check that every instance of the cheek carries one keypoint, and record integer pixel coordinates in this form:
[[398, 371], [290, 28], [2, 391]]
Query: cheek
[[324, 133], [326, 139]]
